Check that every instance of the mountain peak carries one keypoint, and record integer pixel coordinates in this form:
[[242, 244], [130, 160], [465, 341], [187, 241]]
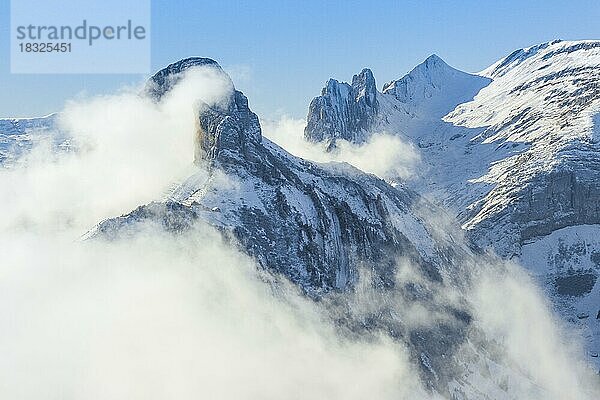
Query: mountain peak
[[163, 80], [435, 87], [365, 75], [434, 61], [224, 133], [364, 86], [188, 62], [431, 66]]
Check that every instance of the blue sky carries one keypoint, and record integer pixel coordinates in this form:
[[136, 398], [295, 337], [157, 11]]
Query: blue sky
[[280, 53]]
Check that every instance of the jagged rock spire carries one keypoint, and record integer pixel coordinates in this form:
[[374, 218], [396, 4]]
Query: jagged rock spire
[[364, 86], [343, 110]]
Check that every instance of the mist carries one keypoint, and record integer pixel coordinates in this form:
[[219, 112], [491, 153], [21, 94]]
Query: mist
[[129, 150], [383, 154], [156, 315]]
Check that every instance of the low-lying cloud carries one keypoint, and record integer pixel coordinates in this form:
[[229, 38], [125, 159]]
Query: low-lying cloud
[[383, 154], [183, 317]]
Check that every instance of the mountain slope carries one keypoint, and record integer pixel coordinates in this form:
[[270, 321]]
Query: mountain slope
[[324, 226], [514, 153], [329, 215]]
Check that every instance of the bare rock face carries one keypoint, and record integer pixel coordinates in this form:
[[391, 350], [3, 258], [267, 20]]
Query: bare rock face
[[343, 111], [561, 199], [227, 134], [547, 202]]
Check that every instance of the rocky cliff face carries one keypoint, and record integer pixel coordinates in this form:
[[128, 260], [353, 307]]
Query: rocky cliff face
[[228, 134], [343, 111], [227, 131], [546, 202]]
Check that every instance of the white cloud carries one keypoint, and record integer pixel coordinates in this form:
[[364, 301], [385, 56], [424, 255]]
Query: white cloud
[[383, 154], [163, 317], [131, 150], [512, 311]]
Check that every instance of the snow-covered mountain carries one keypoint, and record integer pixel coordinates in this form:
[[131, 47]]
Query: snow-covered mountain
[[19, 135], [318, 225], [513, 151], [310, 221]]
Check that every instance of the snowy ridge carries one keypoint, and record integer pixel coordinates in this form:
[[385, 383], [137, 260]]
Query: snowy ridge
[[546, 101]]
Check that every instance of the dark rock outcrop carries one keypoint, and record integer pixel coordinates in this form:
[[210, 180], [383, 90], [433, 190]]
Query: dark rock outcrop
[[343, 111]]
